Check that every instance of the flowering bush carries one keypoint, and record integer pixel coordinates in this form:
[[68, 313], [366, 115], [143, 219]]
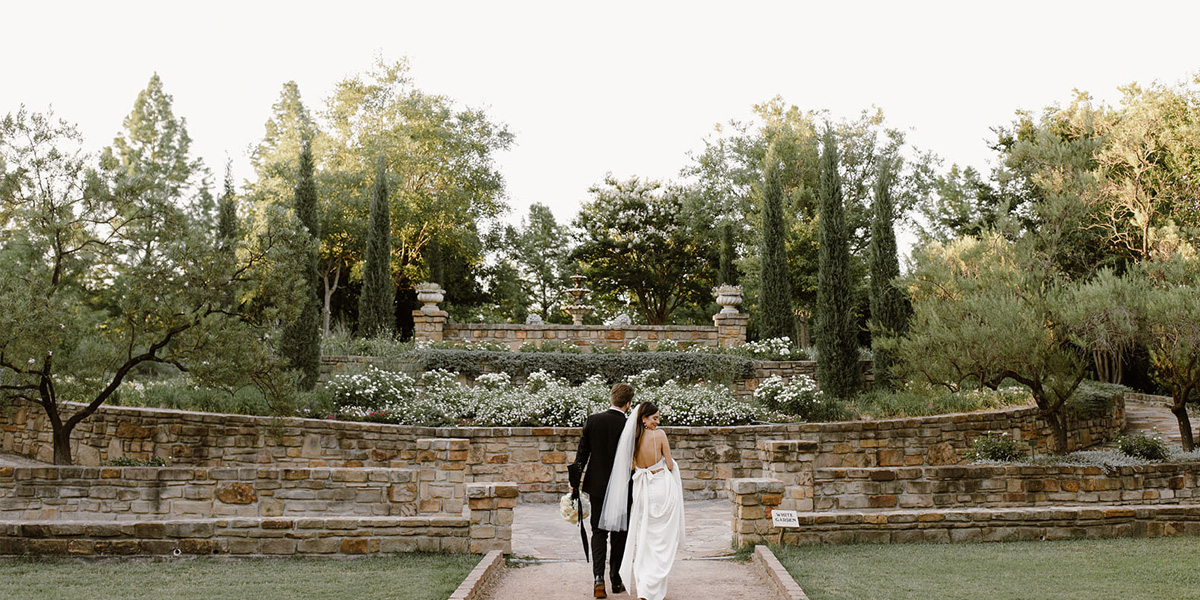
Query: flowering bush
[[772, 349], [667, 345], [996, 447], [799, 397], [543, 401]]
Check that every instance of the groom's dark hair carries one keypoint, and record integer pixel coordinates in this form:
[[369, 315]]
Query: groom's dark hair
[[622, 394]]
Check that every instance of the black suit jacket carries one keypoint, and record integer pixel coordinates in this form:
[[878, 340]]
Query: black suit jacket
[[598, 448]]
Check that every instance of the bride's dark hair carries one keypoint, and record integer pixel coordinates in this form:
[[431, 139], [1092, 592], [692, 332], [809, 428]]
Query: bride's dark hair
[[647, 409]]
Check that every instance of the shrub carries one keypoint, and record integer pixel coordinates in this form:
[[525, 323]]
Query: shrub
[[771, 349], [918, 402], [1140, 446], [798, 397], [996, 447], [1093, 399], [637, 344], [372, 389], [667, 345], [575, 368], [126, 461]]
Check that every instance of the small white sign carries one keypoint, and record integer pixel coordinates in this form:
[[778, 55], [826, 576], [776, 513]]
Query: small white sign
[[784, 518]]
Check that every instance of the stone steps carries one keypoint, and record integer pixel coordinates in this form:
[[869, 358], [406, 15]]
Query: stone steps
[[987, 524]]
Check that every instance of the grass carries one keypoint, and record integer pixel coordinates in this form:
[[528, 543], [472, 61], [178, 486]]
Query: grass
[[882, 404], [402, 577], [1162, 568]]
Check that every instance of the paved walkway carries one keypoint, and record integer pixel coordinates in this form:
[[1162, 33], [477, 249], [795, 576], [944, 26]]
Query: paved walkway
[[701, 570], [1148, 417]]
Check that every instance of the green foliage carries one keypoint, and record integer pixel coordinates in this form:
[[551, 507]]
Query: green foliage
[[988, 310], [301, 343], [997, 447], [889, 310], [1140, 446], [540, 248], [106, 271], [549, 346], [228, 228], [775, 305], [919, 402], [727, 271], [376, 314], [1094, 399], [636, 241], [798, 397], [836, 330], [184, 393], [772, 349], [681, 366], [125, 461]]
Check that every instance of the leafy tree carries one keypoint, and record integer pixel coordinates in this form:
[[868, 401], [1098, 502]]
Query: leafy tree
[[1172, 326], [986, 310], [443, 179], [838, 368], [889, 311], [636, 243], [775, 309], [375, 311], [104, 274], [540, 248], [301, 344]]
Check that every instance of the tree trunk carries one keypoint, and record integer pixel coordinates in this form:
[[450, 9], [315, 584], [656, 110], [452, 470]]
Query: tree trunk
[[1185, 425], [1058, 431], [62, 444]]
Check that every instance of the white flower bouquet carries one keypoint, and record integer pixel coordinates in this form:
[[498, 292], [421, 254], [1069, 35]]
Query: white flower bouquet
[[566, 508]]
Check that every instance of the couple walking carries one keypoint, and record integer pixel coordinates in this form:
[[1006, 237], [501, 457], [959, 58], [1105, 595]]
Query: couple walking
[[636, 495]]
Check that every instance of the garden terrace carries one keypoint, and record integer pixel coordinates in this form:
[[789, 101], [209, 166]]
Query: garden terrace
[[534, 458]]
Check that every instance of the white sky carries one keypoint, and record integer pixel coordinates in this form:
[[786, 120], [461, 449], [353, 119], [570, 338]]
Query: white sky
[[627, 87]]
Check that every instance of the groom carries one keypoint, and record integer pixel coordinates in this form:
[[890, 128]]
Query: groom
[[597, 449]]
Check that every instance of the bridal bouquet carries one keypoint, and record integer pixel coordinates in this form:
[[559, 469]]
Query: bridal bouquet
[[566, 508]]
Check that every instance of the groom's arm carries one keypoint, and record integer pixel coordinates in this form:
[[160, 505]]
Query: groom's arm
[[581, 457]]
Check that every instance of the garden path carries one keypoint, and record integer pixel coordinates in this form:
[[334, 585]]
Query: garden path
[[16, 460], [702, 568], [1147, 417]]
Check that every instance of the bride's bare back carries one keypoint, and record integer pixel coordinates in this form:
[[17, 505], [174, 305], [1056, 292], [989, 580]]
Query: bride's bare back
[[651, 448]]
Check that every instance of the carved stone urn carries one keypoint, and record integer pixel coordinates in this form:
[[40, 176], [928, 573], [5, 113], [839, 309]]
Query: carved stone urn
[[429, 294], [729, 297]]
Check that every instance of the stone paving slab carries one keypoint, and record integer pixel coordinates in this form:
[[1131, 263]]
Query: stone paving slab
[[1150, 417], [539, 531], [689, 579]]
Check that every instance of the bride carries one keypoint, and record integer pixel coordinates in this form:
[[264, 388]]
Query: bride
[[655, 517]]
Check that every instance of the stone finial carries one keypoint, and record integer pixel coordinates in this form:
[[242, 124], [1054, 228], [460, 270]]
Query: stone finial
[[729, 297], [429, 294]]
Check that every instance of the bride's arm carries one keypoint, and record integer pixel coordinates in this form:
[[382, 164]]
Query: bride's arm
[[666, 451]]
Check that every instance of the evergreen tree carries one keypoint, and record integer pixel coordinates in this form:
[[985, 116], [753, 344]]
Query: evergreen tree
[[727, 271], [889, 310], [836, 338], [301, 344], [227, 218], [376, 314], [775, 307]]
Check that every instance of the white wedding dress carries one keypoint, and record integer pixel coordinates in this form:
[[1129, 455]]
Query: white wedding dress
[[655, 530]]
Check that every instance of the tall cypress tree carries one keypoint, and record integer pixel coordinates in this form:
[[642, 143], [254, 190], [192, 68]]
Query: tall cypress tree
[[836, 336], [727, 270], [889, 310], [376, 315], [775, 306], [302, 338], [227, 220]]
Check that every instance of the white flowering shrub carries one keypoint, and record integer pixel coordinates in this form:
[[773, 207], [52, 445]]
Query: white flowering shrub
[[637, 344], [780, 348], [667, 345], [798, 397], [543, 401], [372, 389]]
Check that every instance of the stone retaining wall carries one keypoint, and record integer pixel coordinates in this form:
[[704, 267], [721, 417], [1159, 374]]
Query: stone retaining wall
[[985, 486], [535, 458], [488, 527]]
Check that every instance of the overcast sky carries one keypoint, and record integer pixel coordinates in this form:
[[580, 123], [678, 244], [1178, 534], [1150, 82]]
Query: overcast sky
[[587, 88]]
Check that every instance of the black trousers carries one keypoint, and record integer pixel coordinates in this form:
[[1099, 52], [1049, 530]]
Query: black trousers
[[601, 538]]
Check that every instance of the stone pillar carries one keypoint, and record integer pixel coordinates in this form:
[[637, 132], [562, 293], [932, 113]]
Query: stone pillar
[[731, 328], [428, 326], [442, 475], [491, 506], [791, 462], [753, 501]]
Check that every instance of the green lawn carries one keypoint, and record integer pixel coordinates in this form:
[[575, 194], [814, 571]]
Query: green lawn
[[1146, 569], [404, 577]]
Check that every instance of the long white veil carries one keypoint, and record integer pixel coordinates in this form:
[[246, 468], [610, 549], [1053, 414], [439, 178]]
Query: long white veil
[[614, 516]]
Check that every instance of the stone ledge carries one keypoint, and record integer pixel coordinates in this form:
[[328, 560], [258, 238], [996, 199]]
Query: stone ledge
[[781, 582], [482, 578]]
